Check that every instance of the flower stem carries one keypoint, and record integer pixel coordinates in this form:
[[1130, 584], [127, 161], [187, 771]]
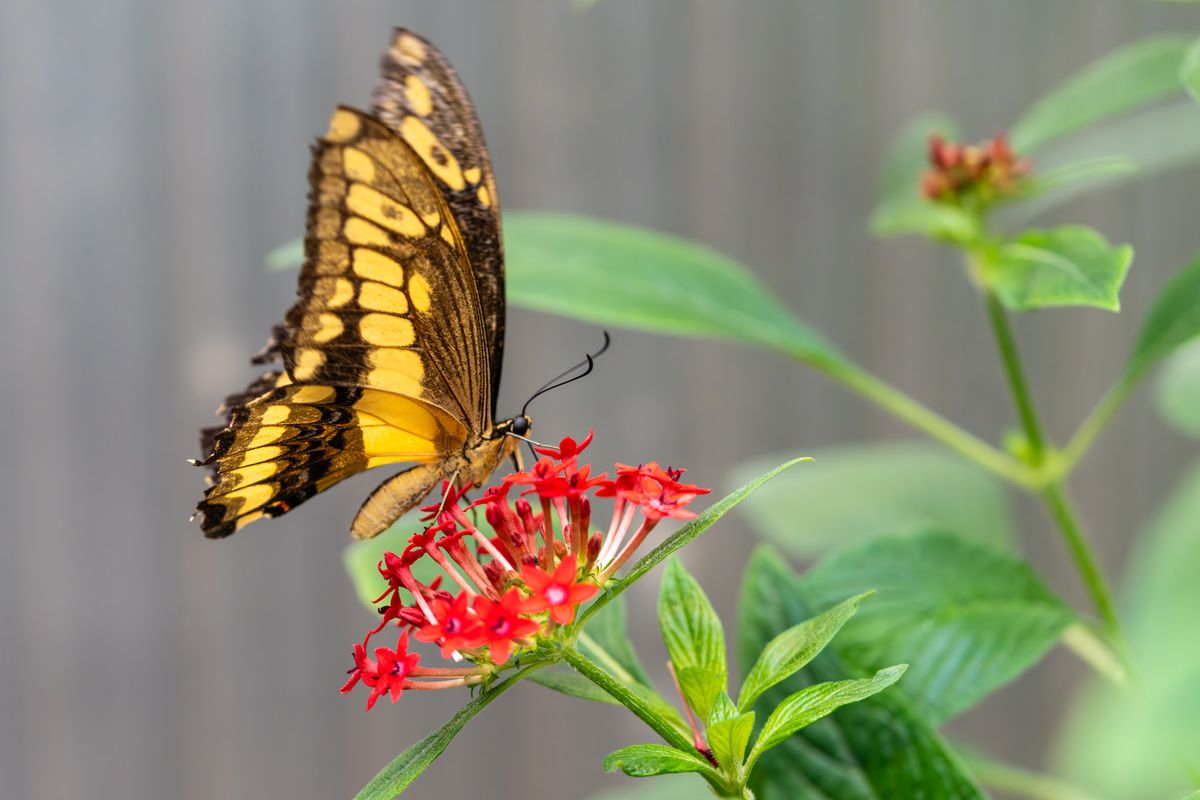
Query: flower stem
[[1016, 378], [1096, 422], [1085, 561], [922, 418], [615, 689]]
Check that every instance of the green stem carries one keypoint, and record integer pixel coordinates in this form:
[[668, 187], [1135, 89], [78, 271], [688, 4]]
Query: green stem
[[618, 691], [1085, 561], [1016, 378], [1096, 422], [922, 418]]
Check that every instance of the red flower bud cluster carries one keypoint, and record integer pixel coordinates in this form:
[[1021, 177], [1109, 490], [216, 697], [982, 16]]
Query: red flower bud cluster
[[522, 575], [972, 174]]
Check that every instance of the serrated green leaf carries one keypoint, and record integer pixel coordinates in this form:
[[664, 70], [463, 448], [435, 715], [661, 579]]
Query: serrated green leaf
[[607, 627], [908, 156], [572, 684], [817, 702], [913, 486], [1130, 745], [406, 767], [1068, 266], [877, 748], [1124, 79], [728, 739], [647, 760], [1177, 394], [692, 633], [791, 650], [615, 274], [905, 216], [1173, 320], [968, 618]]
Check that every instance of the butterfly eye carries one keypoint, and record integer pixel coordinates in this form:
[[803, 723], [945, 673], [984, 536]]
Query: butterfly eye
[[521, 425]]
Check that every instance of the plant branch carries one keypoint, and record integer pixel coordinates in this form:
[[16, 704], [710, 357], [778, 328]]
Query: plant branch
[[1016, 377], [1085, 560], [1096, 421]]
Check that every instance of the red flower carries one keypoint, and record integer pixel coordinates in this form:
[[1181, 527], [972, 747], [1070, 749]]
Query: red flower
[[502, 623], [568, 448], [385, 673], [557, 592], [974, 175], [456, 627]]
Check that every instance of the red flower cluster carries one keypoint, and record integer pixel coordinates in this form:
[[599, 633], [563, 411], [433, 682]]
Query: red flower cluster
[[522, 579], [976, 174]]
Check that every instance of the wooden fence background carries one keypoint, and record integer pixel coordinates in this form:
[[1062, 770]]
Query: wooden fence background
[[152, 151]]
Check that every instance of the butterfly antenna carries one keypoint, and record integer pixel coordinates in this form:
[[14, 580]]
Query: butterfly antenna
[[589, 362]]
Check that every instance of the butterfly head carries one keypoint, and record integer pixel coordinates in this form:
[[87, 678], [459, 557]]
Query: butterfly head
[[521, 425]]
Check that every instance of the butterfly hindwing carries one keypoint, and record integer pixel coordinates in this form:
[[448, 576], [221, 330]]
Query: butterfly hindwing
[[420, 97]]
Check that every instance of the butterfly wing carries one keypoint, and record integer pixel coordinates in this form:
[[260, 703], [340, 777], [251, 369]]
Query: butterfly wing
[[421, 98]]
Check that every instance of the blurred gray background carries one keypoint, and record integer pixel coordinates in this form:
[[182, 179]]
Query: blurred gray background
[[151, 153]]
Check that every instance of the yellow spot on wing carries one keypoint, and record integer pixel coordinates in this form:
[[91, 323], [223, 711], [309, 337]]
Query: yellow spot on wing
[[307, 362], [387, 330], [377, 297], [359, 231], [358, 165], [314, 394], [260, 454], [269, 435], [275, 415], [412, 48], [252, 474], [329, 327], [448, 235], [383, 210], [418, 96], [343, 126], [396, 370], [375, 266], [383, 440], [441, 162], [418, 292], [252, 497], [485, 197], [472, 174]]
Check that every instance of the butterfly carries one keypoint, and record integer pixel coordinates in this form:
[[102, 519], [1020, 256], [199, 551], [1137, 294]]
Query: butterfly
[[392, 352]]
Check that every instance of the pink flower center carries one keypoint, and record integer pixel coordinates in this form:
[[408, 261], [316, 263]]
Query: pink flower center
[[502, 626], [556, 595]]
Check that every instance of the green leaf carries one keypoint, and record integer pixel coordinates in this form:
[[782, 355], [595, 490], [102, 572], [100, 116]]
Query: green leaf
[[728, 739], [615, 274], [1149, 142], [1174, 319], [877, 748], [913, 486], [608, 630], [684, 535], [1178, 391], [573, 684], [904, 216], [1068, 266], [1124, 79], [646, 760], [693, 637], [909, 154], [817, 702], [724, 708], [1129, 745], [404, 769], [968, 618], [288, 255], [1189, 70], [795, 647]]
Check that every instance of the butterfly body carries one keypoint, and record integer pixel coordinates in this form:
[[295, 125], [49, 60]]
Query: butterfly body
[[392, 352]]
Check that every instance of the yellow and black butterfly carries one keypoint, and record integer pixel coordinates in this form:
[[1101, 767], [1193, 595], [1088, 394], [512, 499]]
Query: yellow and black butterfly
[[392, 352]]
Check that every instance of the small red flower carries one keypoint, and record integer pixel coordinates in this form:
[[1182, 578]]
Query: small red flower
[[974, 175], [568, 448], [457, 628], [385, 673], [502, 623], [557, 592]]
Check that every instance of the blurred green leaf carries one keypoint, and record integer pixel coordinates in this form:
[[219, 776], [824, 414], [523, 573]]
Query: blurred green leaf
[[795, 647], [1068, 266], [666, 787], [1130, 745], [288, 255], [361, 559], [1189, 70], [728, 738], [908, 156], [646, 760], [1173, 320], [816, 702], [1124, 79], [968, 618], [607, 628], [1147, 143], [693, 637], [877, 748], [904, 216], [1178, 391], [615, 274], [912, 486], [572, 684]]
